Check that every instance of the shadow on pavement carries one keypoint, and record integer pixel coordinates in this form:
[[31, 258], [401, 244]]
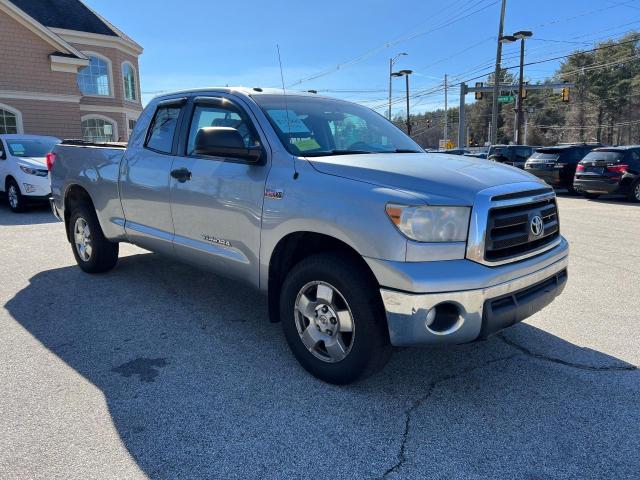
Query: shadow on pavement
[[200, 385], [34, 215]]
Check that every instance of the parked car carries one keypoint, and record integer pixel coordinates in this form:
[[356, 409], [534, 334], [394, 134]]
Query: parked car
[[24, 177], [557, 165], [359, 239], [454, 151], [515, 155], [476, 155], [610, 170]]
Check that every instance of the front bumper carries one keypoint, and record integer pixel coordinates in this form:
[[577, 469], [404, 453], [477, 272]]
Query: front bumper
[[480, 311]]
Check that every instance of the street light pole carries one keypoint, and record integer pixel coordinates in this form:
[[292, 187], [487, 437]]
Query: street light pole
[[392, 62], [496, 78], [405, 73], [408, 117], [522, 35]]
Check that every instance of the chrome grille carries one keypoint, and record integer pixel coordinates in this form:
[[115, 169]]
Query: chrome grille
[[509, 234]]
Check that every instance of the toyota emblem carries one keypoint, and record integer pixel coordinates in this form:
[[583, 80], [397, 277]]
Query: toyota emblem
[[537, 226]]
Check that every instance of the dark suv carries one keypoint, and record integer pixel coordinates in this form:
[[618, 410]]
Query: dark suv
[[515, 155], [610, 170], [557, 165]]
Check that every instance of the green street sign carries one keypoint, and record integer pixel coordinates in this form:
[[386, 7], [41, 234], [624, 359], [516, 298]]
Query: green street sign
[[506, 99]]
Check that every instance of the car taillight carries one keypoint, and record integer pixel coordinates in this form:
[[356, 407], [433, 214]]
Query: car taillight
[[51, 159], [580, 168], [620, 169]]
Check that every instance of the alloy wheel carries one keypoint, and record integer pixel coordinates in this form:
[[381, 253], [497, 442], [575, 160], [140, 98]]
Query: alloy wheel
[[12, 195], [324, 322], [82, 238]]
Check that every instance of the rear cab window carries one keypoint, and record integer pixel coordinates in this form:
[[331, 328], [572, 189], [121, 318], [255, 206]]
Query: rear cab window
[[162, 130]]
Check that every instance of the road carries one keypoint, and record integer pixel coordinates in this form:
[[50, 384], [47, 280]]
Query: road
[[160, 370]]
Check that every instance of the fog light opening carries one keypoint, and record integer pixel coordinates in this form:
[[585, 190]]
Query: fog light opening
[[444, 318]]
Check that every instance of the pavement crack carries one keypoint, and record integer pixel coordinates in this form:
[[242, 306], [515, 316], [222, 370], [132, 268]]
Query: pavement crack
[[581, 366], [408, 413]]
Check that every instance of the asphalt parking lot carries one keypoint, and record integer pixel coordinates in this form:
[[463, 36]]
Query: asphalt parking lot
[[160, 370]]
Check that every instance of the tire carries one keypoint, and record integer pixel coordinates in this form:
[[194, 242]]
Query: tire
[[591, 196], [634, 194], [15, 198], [341, 356], [93, 252]]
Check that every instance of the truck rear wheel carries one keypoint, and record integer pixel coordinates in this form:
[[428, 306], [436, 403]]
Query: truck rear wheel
[[333, 319], [93, 252]]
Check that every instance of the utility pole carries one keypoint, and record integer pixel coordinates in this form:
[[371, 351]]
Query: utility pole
[[446, 119], [497, 75]]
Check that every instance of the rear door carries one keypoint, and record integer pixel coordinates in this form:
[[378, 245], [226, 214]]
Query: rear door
[[144, 181], [217, 207]]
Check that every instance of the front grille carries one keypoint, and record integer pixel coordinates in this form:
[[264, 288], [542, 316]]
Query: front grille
[[509, 232]]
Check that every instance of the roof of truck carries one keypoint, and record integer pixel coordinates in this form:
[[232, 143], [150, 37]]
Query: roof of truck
[[249, 91]]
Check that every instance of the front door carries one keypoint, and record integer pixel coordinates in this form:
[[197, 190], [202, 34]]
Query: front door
[[217, 207], [144, 182]]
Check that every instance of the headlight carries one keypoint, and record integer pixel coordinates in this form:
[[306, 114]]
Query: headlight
[[29, 171], [34, 171], [431, 224]]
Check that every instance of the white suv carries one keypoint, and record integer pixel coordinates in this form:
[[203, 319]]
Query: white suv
[[23, 169]]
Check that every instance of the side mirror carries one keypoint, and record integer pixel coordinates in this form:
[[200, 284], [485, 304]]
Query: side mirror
[[225, 142]]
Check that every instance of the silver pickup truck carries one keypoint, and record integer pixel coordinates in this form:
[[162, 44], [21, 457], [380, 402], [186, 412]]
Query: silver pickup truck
[[360, 239]]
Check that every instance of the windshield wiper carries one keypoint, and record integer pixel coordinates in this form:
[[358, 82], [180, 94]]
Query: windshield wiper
[[334, 152], [402, 150]]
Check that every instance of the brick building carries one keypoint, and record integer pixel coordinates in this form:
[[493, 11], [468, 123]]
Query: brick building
[[66, 71]]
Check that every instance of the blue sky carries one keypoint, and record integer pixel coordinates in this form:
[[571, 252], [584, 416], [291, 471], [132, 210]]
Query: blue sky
[[196, 43]]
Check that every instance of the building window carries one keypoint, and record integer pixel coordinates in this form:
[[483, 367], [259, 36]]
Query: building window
[[94, 78], [132, 125], [129, 79], [95, 129], [8, 122]]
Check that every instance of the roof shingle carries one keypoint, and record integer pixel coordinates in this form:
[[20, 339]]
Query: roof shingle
[[67, 14]]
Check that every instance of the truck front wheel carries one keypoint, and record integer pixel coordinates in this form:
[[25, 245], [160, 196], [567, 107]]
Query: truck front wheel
[[93, 252], [333, 319]]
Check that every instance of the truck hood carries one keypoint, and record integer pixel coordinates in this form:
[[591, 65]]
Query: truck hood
[[436, 178]]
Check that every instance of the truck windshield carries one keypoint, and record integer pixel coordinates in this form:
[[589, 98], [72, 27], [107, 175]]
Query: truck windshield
[[31, 147], [612, 156], [311, 126]]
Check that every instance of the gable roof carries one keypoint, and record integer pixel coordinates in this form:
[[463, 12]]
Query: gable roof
[[65, 14]]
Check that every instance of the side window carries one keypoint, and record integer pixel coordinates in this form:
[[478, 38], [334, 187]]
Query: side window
[[522, 153], [635, 158], [163, 129], [205, 115]]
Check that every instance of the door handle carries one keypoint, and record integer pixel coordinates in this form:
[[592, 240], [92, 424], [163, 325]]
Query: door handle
[[181, 174]]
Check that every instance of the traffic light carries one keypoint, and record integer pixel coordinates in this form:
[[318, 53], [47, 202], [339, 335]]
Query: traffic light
[[565, 94], [428, 123], [479, 95]]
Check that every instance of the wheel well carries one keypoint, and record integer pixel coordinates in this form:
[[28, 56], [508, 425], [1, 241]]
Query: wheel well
[[76, 195], [295, 247], [7, 180]]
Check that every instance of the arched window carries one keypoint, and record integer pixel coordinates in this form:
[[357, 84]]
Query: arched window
[[9, 120], [129, 79], [94, 79], [99, 129]]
